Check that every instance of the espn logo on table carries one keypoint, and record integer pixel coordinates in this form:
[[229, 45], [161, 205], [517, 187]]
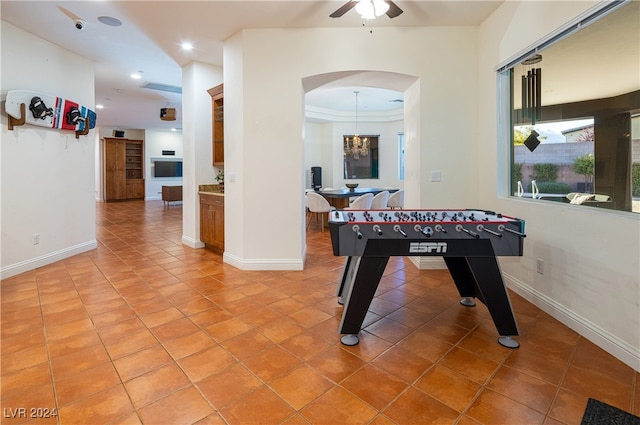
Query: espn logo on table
[[428, 247]]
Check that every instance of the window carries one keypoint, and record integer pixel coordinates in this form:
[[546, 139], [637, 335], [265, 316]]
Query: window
[[562, 163], [361, 161], [583, 136]]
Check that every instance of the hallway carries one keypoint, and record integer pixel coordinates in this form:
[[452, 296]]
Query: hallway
[[146, 330]]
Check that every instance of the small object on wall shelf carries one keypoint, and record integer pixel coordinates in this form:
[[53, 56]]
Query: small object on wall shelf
[[217, 122], [48, 111]]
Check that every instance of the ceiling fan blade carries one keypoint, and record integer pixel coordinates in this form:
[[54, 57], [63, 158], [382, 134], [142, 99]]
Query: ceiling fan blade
[[69, 13], [394, 10], [344, 8]]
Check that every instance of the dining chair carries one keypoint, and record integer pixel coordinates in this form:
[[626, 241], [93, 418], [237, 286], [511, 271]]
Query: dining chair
[[379, 201], [362, 202], [396, 200], [317, 204]]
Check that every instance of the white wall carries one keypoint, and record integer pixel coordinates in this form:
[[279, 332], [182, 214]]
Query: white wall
[[197, 78], [264, 124], [47, 176], [315, 137], [155, 142], [591, 279]]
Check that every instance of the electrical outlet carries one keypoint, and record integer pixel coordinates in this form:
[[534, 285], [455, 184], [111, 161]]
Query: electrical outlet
[[36, 238], [540, 266]]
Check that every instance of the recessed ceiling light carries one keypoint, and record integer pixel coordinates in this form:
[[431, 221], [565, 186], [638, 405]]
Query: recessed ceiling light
[[187, 46], [99, 106], [136, 75], [108, 20]]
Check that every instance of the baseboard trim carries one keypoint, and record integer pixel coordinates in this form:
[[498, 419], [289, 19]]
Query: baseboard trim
[[428, 263], [594, 333], [262, 264], [192, 243], [46, 259]]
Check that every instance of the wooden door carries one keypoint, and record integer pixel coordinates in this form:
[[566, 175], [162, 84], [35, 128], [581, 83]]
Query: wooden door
[[115, 170]]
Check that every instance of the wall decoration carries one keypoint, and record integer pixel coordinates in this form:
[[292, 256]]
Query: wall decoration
[[48, 111]]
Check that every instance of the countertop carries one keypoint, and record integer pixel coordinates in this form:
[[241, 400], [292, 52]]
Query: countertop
[[210, 189]]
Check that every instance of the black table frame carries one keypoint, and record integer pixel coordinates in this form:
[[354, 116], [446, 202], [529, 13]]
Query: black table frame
[[476, 275]]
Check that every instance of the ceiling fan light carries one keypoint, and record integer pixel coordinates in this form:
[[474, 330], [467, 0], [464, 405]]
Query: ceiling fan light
[[380, 7], [366, 9]]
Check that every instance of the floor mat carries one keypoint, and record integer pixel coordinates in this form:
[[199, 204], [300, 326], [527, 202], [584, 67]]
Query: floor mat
[[599, 413]]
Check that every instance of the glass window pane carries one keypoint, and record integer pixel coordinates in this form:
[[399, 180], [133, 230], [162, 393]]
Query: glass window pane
[[575, 139]]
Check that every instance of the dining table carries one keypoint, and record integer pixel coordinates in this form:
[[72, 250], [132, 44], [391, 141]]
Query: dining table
[[339, 198]]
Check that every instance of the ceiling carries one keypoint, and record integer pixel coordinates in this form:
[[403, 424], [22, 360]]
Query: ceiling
[[149, 41]]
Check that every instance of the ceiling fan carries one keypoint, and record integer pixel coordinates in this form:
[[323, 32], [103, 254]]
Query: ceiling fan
[[369, 9]]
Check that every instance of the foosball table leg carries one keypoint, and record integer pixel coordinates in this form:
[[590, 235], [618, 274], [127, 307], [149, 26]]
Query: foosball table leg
[[507, 341], [468, 302], [349, 340]]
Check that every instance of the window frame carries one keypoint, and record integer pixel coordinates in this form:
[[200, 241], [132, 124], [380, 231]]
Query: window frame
[[506, 97]]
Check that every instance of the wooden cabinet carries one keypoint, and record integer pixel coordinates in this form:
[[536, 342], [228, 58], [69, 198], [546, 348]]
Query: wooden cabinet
[[135, 189], [212, 221], [123, 169], [217, 119]]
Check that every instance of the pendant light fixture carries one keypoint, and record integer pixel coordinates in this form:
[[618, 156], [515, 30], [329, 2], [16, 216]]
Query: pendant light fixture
[[356, 146]]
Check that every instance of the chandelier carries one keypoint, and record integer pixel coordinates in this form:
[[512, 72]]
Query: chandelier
[[369, 9], [356, 145]]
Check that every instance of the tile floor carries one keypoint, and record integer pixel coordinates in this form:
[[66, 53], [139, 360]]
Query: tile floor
[[146, 330]]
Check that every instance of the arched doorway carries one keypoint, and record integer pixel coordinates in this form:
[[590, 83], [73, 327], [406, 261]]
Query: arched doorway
[[329, 114]]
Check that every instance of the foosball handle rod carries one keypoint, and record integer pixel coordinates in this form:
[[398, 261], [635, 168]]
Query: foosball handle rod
[[503, 228]]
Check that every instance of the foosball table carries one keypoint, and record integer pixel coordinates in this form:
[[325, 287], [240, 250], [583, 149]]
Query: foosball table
[[467, 240]]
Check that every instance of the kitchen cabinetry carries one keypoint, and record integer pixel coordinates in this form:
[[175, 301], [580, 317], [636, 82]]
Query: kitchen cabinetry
[[123, 169], [212, 220], [217, 120]]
